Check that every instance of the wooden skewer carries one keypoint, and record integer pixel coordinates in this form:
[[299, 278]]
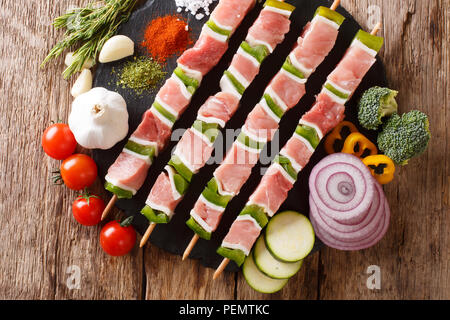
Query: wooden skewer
[[220, 269], [109, 206], [225, 261], [335, 4], [195, 237], [189, 248], [147, 234]]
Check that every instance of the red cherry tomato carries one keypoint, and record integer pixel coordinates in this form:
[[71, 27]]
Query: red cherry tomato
[[58, 141], [78, 171], [117, 239], [87, 209]]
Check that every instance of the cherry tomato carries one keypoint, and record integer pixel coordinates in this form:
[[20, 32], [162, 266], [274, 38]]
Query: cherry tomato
[[87, 209], [58, 141], [78, 171], [117, 239]]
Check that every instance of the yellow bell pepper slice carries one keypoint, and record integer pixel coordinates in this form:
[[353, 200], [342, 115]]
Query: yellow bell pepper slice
[[357, 139], [336, 135], [382, 167]]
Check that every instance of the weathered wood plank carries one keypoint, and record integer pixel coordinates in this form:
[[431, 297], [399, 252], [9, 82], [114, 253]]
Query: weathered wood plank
[[167, 277], [414, 255], [303, 286], [40, 239]]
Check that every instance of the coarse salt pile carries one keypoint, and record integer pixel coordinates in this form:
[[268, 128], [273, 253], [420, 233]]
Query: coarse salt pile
[[193, 6]]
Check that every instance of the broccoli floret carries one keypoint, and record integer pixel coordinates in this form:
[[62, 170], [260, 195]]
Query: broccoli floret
[[375, 104], [404, 137]]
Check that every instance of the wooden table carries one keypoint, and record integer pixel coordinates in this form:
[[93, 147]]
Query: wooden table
[[43, 247]]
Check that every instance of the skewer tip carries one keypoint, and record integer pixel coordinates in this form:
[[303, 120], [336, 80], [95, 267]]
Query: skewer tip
[[335, 4], [220, 269], [109, 207], [191, 246], [147, 234]]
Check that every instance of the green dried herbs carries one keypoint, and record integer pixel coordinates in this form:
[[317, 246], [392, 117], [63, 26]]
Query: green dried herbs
[[140, 74]]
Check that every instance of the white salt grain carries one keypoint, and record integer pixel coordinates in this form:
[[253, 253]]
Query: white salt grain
[[194, 6]]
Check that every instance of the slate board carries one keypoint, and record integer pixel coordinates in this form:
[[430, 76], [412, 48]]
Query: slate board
[[175, 236]]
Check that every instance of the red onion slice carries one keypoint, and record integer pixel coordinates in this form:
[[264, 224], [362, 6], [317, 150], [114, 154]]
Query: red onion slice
[[344, 183], [342, 188], [380, 232], [366, 225], [349, 237]]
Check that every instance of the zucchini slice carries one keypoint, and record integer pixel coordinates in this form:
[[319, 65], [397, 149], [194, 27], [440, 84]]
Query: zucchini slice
[[330, 15], [258, 280], [289, 236], [270, 266], [279, 5], [371, 41]]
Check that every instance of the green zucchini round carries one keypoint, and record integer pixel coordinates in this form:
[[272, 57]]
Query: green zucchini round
[[258, 280], [289, 236], [270, 266]]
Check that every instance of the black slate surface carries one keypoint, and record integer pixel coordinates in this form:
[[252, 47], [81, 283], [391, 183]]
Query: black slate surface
[[175, 236]]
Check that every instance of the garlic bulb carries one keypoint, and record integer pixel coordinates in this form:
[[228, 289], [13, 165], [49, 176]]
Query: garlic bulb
[[99, 119], [116, 48]]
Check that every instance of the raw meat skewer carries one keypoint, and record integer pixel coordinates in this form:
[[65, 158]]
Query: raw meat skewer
[[314, 45], [127, 174], [196, 145], [328, 113]]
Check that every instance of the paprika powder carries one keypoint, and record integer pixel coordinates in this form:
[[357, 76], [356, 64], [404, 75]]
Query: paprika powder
[[166, 36]]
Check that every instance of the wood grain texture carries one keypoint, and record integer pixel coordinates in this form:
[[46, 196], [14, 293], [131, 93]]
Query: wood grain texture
[[414, 256], [167, 277], [40, 239], [302, 286]]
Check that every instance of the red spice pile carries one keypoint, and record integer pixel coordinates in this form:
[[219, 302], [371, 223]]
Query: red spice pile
[[166, 36]]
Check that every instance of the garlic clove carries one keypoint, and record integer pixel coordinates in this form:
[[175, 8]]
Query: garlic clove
[[116, 48], [83, 83], [89, 63]]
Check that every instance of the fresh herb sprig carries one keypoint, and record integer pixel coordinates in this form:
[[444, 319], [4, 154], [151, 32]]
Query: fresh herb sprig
[[90, 27]]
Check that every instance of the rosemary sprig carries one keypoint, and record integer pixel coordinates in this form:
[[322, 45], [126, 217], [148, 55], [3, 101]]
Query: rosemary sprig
[[90, 28]]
